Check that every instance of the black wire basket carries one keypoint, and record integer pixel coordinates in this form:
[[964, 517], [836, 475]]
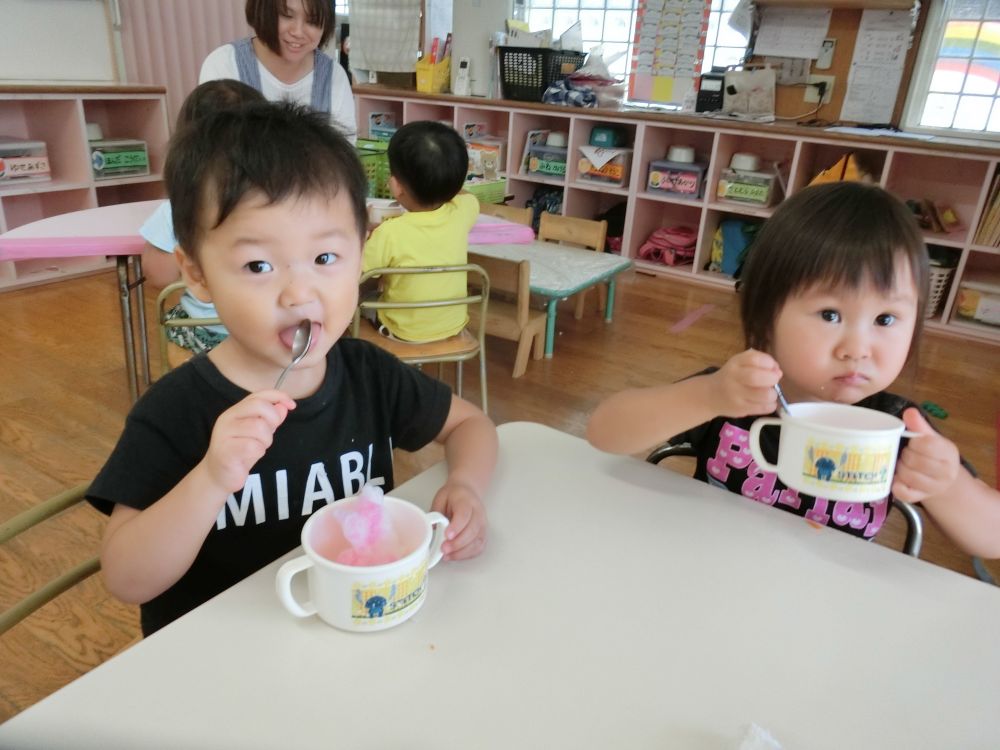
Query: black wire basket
[[525, 72]]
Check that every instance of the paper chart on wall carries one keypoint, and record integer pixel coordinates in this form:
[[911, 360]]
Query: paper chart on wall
[[877, 66], [669, 47]]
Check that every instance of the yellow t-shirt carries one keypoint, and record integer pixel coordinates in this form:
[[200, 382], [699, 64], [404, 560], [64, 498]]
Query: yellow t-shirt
[[424, 238]]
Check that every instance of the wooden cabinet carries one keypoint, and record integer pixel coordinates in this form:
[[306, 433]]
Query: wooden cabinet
[[959, 174], [59, 117]]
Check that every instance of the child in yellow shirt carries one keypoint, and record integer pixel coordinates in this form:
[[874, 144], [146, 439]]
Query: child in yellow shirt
[[428, 163]]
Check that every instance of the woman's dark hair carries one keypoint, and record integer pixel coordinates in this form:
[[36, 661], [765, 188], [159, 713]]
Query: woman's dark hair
[[211, 96], [841, 234], [262, 15], [430, 159], [279, 150]]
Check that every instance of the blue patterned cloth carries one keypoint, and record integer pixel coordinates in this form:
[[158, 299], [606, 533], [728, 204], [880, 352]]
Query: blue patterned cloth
[[570, 94]]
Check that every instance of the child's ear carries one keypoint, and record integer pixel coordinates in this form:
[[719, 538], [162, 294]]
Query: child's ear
[[192, 276], [395, 188]]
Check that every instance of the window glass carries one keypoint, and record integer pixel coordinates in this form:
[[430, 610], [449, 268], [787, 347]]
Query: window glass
[[957, 79]]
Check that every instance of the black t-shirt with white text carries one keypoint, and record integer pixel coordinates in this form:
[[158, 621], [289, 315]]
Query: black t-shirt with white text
[[326, 449]]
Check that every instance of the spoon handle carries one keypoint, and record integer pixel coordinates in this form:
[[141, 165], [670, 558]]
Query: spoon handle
[[781, 399], [281, 377]]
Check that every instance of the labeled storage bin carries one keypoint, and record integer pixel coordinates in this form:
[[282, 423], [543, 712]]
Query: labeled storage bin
[[979, 297], [118, 158], [433, 78], [547, 160], [23, 161], [607, 165], [525, 72], [678, 179], [758, 188]]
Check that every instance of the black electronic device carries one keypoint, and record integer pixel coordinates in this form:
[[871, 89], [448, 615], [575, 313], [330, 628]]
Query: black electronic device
[[710, 92]]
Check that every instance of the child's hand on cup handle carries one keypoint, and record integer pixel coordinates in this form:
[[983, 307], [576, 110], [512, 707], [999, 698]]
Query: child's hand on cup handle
[[928, 465], [746, 384], [466, 533], [242, 434]]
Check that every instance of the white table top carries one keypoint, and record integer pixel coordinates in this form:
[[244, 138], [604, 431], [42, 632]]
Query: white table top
[[618, 605], [558, 270]]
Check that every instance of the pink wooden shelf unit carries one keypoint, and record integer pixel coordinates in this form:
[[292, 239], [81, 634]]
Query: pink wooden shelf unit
[[107, 230]]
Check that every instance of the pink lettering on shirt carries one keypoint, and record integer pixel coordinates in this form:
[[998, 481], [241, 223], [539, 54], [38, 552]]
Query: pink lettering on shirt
[[759, 485], [733, 452], [818, 513], [854, 515]]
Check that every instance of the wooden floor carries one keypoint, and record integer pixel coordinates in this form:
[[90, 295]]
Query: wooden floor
[[63, 398]]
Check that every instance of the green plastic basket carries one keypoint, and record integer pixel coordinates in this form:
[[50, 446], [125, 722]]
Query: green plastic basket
[[375, 160], [488, 191]]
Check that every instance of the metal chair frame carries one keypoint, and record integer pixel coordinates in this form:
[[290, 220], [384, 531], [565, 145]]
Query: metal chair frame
[[420, 353], [26, 520], [162, 324]]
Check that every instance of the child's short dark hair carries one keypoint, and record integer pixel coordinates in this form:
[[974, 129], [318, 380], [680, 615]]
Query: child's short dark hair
[[211, 96], [280, 150], [430, 159], [262, 15], [842, 233]]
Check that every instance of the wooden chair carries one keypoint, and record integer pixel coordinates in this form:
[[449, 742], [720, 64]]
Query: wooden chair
[[510, 315], [914, 522], [571, 230], [172, 355], [510, 213], [26, 520], [465, 345]]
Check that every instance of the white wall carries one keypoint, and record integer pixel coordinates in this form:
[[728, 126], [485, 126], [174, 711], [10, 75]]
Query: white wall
[[56, 41], [473, 22]]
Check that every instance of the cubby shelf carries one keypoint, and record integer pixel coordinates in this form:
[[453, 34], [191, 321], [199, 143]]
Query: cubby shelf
[[957, 173], [58, 116]]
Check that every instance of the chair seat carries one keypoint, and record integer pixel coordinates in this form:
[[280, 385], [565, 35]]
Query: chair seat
[[462, 345]]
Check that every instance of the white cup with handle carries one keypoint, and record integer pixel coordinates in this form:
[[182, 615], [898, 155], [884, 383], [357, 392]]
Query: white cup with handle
[[834, 451], [364, 598]]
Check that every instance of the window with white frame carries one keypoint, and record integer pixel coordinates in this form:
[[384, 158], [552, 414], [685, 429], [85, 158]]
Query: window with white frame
[[612, 23], [955, 87]]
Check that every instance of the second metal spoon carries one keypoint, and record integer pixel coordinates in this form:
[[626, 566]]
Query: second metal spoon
[[300, 347]]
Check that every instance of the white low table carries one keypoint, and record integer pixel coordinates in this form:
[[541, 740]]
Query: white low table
[[618, 605]]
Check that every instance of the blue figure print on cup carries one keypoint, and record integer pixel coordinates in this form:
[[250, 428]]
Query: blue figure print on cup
[[375, 606], [824, 468]]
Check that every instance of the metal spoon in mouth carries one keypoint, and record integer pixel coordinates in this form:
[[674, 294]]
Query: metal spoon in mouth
[[300, 347], [781, 399]]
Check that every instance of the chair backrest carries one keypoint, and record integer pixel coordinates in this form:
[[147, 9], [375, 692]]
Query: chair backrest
[[572, 230], [477, 293], [914, 523], [26, 520], [509, 277], [510, 213], [169, 296]]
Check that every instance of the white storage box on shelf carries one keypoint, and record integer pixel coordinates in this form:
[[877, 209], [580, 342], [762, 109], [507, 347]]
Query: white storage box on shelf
[[23, 161]]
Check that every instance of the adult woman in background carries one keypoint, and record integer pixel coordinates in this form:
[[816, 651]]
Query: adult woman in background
[[284, 60]]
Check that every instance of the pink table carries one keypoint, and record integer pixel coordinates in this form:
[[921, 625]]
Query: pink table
[[108, 230]]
